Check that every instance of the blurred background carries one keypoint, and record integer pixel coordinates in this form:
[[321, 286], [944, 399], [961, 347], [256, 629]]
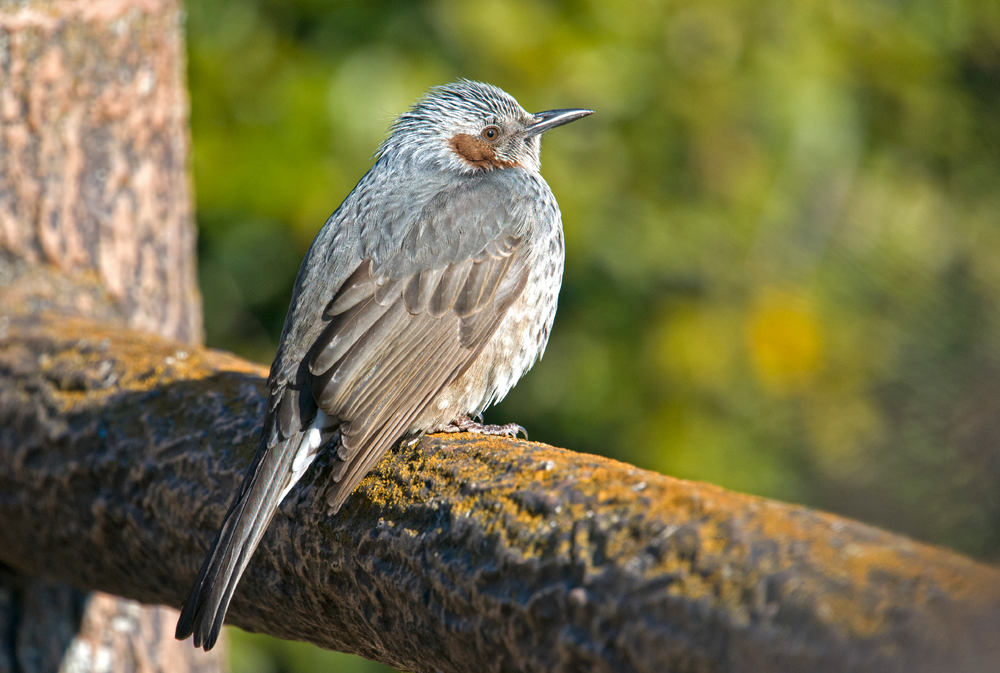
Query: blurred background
[[782, 228]]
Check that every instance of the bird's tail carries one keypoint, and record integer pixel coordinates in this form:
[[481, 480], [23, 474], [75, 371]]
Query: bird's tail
[[273, 472]]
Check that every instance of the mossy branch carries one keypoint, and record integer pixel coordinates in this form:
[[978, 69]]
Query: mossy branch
[[119, 452]]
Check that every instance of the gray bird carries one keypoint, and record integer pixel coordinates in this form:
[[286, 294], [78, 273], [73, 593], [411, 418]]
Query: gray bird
[[423, 299]]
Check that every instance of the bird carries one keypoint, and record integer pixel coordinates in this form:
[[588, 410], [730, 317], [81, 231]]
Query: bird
[[422, 300]]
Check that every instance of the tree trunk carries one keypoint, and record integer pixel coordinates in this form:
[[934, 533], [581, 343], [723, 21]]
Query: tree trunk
[[96, 219], [94, 146]]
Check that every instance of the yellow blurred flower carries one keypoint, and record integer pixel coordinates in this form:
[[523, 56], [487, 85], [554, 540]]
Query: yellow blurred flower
[[785, 341]]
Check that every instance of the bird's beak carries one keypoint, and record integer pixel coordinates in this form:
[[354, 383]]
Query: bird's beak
[[543, 121]]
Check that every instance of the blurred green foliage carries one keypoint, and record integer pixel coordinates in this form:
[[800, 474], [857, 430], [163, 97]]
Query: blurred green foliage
[[257, 653], [782, 224]]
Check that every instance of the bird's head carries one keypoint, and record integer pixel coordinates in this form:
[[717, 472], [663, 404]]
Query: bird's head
[[470, 126]]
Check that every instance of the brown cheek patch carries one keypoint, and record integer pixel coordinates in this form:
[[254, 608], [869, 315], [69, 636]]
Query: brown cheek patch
[[477, 153]]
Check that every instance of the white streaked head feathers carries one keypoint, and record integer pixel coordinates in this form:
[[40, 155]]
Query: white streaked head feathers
[[425, 132]]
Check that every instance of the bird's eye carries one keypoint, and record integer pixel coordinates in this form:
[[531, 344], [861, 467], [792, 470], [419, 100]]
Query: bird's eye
[[491, 133]]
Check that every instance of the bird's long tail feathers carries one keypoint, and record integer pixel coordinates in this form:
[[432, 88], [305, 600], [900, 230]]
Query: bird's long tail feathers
[[275, 469]]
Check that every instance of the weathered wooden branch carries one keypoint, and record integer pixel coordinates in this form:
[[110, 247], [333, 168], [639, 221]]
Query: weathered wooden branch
[[119, 452]]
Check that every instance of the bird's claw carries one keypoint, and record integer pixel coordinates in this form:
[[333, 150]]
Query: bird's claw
[[466, 424]]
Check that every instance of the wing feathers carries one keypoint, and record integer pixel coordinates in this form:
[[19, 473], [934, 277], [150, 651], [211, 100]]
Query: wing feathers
[[420, 288], [355, 289], [431, 325], [342, 333], [376, 444], [386, 292], [354, 355], [478, 327], [484, 279], [451, 283]]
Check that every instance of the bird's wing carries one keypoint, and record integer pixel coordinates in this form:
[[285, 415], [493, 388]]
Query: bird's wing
[[395, 340]]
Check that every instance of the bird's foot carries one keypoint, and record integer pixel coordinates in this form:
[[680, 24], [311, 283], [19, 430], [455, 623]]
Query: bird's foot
[[466, 424]]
